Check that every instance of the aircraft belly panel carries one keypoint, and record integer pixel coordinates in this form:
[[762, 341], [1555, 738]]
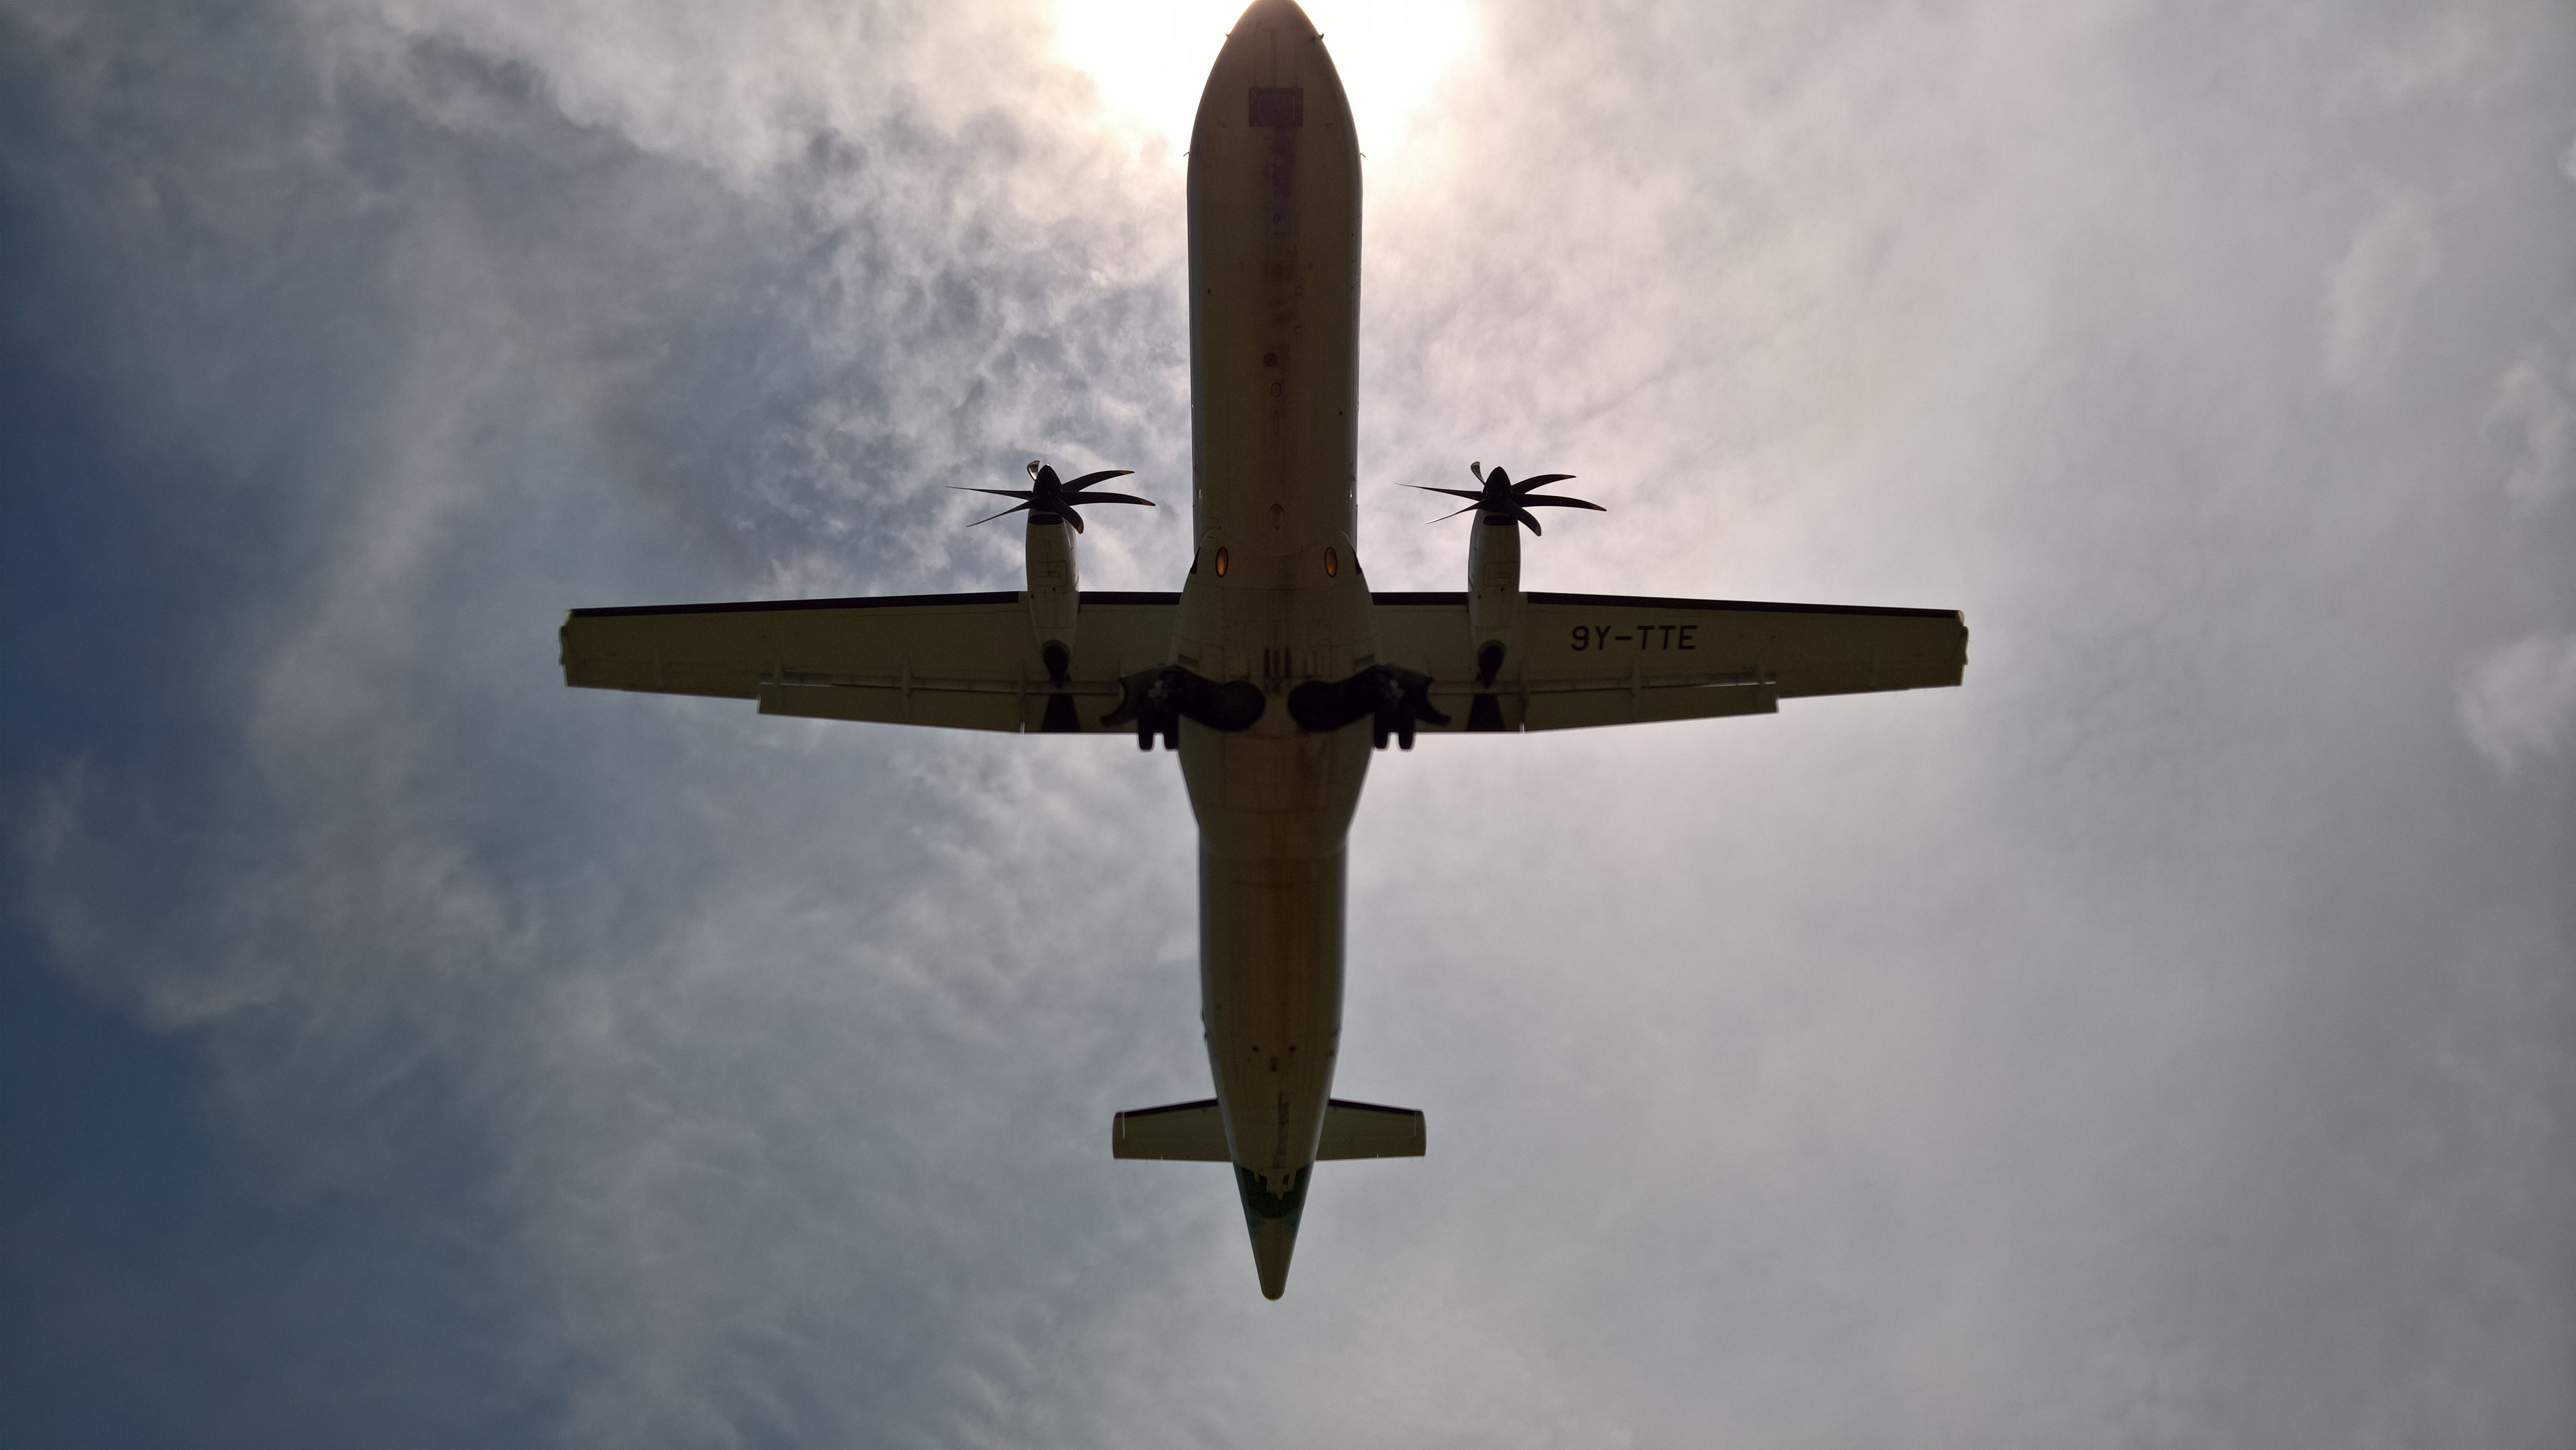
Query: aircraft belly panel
[[1270, 978]]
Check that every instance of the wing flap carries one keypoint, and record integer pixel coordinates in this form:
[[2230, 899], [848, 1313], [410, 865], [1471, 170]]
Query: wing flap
[[954, 708], [1574, 708]]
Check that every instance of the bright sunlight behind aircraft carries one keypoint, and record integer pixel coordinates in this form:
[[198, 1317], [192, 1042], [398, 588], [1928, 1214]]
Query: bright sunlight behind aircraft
[[1393, 56]]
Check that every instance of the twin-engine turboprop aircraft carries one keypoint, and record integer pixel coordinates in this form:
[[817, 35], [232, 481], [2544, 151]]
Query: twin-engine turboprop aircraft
[[1263, 669]]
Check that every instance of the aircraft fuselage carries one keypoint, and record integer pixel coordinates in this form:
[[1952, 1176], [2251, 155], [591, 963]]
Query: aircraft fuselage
[[1275, 594]]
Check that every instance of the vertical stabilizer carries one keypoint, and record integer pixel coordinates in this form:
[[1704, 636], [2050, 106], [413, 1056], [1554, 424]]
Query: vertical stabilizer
[[1273, 1219]]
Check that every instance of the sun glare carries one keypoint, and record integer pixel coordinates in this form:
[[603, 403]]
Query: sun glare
[[1151, 57]]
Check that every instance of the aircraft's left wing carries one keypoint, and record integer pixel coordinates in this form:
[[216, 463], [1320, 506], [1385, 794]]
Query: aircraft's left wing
[[966, 661]]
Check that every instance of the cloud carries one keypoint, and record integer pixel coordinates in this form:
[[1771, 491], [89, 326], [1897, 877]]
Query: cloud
[[2535, 396], [2518, 703], [2371, 293], [2152, 1039]]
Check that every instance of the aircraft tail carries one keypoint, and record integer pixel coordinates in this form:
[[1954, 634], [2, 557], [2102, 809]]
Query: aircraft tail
[[1273, 1219], [1195, 1132]]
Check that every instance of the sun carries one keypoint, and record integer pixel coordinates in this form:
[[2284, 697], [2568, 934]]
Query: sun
[[1151, 57]]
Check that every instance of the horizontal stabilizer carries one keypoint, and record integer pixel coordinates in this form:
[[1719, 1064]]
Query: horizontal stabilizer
[[1365, 1130], [1195, 1132]]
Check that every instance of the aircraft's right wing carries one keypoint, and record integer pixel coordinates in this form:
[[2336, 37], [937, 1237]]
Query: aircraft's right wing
[[1609, 659]]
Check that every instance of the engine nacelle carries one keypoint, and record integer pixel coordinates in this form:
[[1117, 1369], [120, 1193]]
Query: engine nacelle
[[1493, 593], [1055, 593]]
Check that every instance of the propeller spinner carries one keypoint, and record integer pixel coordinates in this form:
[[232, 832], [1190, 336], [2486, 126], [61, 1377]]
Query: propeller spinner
[[1500, 498], [1050, 497]]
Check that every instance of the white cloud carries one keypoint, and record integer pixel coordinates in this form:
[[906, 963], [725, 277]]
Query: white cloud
[[1150, 59], [2519, 702], [2538, 394], [2371, 292]]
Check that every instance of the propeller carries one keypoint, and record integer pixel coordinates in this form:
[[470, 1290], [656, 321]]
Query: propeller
[[1500, 498], [1050, 497]]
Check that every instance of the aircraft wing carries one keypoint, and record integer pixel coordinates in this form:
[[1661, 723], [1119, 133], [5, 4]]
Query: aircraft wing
[[1608, 659], [966, 661]]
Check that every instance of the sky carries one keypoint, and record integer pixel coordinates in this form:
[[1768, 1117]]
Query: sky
[[2166, 1039]]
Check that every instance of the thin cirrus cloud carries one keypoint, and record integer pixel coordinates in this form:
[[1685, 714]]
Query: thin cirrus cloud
[[2519, 702], [2160, 1040]]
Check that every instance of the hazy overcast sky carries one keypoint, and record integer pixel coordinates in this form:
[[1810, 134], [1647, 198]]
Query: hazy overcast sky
[[2167, 1039]]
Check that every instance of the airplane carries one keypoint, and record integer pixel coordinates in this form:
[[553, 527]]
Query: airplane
[[1275, 672]]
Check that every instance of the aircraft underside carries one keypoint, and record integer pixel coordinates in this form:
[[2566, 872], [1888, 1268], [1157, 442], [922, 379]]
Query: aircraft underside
[[1275, 670]]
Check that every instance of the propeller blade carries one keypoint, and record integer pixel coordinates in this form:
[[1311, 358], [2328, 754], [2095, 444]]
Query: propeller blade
[[1503, 499], [1004, 492], [1006, 513], [1088, 479], [1088, 499], [1068, 515], [1046, 478]]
